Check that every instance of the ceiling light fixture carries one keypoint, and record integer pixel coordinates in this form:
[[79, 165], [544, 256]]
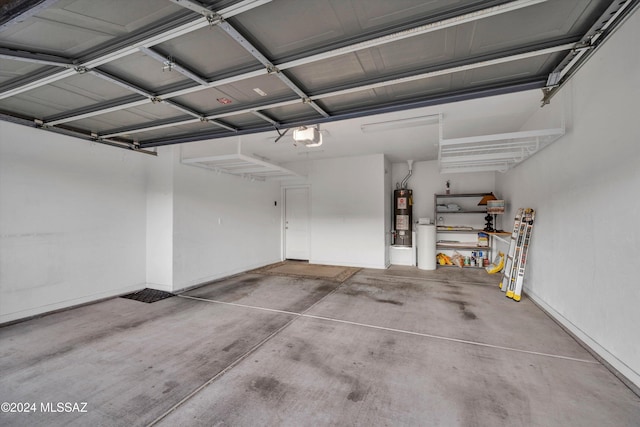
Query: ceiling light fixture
[[310, 137], [431, 119]]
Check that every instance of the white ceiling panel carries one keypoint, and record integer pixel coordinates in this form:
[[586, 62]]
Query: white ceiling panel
[[523, 69]]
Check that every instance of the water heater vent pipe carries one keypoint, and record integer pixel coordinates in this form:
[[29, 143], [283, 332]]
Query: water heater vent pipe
[[406, 178]]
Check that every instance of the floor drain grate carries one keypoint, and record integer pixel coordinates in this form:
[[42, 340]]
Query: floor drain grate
[[148, 295]]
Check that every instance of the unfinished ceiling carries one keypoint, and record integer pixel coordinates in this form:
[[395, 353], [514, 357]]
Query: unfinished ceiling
[[146, 73]]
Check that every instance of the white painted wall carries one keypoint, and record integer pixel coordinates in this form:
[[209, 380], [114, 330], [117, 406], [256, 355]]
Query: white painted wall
[[583, 263], [347, 210], [223, 224], [351, 204], [72, 221], [159, 186], [82, 221]]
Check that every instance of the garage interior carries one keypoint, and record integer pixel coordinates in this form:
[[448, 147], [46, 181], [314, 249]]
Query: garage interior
[[150, 145]]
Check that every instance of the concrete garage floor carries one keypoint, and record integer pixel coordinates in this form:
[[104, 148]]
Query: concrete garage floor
[[390, 347]]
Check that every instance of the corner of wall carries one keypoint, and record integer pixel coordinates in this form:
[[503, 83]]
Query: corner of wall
[[159, 221]]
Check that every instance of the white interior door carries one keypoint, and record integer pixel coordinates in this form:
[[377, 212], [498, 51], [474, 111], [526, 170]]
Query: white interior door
[[296, 223]]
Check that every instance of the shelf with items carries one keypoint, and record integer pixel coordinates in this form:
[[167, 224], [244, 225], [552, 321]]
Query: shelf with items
[[457, 229], [461, 245], [474, 259], [457, 238], [460, 205], [465, 206], [462, 212], [464, 266]]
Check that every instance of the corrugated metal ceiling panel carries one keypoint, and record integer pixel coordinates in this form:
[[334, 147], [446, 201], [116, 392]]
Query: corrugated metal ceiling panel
[[129, 65]]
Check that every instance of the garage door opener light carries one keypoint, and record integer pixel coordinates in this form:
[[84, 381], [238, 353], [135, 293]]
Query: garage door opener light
[[309, 136]]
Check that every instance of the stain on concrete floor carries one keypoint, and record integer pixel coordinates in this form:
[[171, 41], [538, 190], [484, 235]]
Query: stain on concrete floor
[[368, 353]]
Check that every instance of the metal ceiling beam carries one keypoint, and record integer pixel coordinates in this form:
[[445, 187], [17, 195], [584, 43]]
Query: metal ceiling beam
[[232, 10], [130, 86], [255, 52], [78, 134], [220, 124], [172, 65], [448, 98], [198, 115], [479, 62], [35, 57], [457, 20], [152, 39], [271, 68], [82, 67], [164, 125], [104, 110], [52, 78], [457, 69], [363, 45], [150, 96], [598, 32], [92, 111], [101, 109], [265, 118], [184, 109], [211, 119], [215, 83], [120, 82], [254, 109], [168, 123], [427, 102], [146, 129], [413, 32]]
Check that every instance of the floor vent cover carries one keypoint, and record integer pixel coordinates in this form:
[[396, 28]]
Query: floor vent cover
[[148, 295]]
